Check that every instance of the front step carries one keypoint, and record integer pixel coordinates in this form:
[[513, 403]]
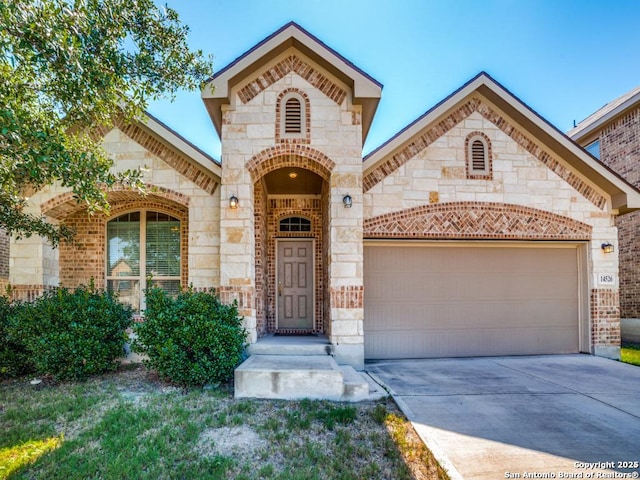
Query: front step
[[294, 377]]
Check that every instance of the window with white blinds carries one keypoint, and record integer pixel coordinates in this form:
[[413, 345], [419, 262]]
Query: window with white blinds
[[129, 265]]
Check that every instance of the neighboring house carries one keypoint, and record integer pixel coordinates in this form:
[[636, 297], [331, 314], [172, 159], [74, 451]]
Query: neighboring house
[[476, 230], [612, 134]]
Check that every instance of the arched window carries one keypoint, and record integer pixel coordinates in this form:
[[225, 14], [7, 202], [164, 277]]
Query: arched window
[[295, 224], [478, 153], [142, 245]]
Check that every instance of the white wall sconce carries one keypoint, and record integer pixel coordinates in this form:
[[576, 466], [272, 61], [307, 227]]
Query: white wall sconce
[[233, 202], [347, 201], [607, 247]]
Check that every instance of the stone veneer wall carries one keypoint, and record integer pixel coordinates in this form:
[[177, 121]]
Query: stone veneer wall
[[531, 194], [332, 150], [620, 150], [36, 266]]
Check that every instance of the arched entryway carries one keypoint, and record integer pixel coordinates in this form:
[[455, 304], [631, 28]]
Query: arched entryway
[[291, 247]]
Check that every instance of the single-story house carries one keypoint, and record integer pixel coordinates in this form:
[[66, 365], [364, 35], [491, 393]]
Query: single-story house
[[479, 229]]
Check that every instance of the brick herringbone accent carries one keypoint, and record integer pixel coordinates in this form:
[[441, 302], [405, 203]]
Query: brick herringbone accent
[[454, 118], [287, 155], [476, 220], [292, 64]]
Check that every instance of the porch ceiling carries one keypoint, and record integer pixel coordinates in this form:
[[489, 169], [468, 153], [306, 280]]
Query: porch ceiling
[[293, 181]]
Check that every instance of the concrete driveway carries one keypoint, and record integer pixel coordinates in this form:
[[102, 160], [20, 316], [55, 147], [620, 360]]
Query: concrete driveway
[[569, 416]]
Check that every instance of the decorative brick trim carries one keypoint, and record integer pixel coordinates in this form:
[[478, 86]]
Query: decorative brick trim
[[304, 137], [418, 144], [288, 155], [605, 317], [290, 64], [242, 294], [476, 220], [4, 256], [194, 172], [351, 296], [86, 260], [28, 293], [489, 159], [65, 204], [421, 142]]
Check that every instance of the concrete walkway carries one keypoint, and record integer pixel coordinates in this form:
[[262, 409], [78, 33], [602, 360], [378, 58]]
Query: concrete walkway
[[570, 416]]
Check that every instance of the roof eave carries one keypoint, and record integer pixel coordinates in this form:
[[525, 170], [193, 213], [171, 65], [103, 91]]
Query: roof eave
[[180, 144], [587, 127]]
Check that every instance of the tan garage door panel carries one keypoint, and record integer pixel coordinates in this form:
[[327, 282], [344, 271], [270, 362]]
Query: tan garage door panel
[[423, 301]]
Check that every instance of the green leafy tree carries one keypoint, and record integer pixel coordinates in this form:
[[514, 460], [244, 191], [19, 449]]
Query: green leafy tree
[[69, 68]]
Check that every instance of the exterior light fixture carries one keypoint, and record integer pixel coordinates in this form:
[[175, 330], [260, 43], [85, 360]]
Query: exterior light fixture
[[233, 202], [607, 247], [347, 201], [293, 174]]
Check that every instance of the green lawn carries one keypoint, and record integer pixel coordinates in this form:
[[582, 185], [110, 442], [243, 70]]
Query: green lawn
[[130, 425], [630, 353]]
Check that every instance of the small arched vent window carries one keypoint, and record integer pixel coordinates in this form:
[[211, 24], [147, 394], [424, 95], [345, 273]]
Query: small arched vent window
[[478, 153], [295, 224], [293, 116], [478, 156]]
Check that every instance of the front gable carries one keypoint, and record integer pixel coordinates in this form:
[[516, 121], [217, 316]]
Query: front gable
[[292, 50]]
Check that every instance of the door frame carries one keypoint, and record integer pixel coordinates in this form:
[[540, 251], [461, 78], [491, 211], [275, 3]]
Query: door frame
[[312, 242]]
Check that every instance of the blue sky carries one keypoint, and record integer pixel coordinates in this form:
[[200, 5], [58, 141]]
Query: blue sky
[[564, 58]]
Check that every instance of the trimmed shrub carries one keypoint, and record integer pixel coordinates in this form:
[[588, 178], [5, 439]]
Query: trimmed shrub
[[191, 339], [71, 335], [14, 359]]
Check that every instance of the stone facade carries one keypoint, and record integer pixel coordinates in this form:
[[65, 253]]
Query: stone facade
[[417, 186], [330, 146], [35, 266], [423, 191]]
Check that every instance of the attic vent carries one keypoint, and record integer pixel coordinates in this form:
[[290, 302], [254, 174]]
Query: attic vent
[[293, 116], [478, 156]]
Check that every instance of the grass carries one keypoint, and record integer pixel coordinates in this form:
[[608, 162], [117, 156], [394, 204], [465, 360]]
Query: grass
[[630, 353], [130, 425]]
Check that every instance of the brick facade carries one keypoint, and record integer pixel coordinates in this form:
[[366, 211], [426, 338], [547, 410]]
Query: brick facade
[[4, 257], [620, 150]]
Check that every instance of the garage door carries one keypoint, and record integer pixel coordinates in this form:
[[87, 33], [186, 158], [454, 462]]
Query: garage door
[[455, 301]]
